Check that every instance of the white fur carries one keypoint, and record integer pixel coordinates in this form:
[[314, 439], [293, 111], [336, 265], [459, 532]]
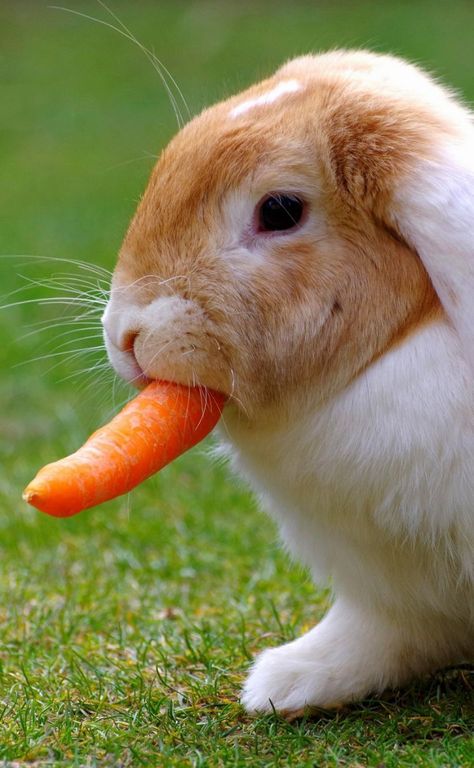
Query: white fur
[[284, 87], [375, 489]]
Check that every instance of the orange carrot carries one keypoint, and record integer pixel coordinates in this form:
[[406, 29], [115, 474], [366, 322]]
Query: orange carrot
[[159, 424]]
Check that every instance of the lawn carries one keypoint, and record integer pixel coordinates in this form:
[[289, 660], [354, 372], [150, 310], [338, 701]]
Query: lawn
[[125, 633]]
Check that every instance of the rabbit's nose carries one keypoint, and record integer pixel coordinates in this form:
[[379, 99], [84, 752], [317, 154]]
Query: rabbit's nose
[[127, 341], [121, 330]]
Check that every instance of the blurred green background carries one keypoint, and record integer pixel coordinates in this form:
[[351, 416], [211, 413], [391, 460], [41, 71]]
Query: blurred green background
[[125, 632]]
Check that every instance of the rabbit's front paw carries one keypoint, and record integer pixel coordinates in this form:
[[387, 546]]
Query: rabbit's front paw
[[282, 679], [346, 656]]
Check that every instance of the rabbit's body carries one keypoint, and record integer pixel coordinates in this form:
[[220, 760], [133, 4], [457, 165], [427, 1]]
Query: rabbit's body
[[305, 247], [373, 488]]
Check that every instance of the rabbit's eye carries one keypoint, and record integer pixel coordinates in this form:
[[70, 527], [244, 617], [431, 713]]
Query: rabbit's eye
[[279, 212]]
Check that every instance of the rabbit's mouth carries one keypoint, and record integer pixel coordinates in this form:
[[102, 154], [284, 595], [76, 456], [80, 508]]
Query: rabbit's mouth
[[170, 338]]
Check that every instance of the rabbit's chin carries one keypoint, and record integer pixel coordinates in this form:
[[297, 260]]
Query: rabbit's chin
[[374, 489]]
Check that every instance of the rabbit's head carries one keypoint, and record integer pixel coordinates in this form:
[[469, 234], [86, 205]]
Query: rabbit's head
[[273, 248]]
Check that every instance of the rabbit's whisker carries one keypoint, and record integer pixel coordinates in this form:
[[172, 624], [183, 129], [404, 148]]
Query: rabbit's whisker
[[46, 326], [157, 65], [73, 353], [84, 265]]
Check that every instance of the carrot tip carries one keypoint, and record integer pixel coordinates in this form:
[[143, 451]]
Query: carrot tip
[[29, 496]]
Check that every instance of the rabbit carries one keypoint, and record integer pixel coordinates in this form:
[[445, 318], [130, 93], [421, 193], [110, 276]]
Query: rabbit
[[305, 247]]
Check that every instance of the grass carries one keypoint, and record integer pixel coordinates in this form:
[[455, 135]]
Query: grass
[[125, 633]]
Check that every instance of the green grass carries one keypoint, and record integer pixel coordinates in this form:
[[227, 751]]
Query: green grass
[[125, 633]]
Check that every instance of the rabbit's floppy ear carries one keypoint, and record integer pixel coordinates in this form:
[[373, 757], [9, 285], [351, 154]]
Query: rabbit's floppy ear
[[434, 212]]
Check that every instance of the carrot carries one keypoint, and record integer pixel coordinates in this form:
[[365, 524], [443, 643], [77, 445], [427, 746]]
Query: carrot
[[159, 424]]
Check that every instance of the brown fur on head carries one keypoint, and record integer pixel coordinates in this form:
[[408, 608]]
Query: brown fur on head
[[199, 296]]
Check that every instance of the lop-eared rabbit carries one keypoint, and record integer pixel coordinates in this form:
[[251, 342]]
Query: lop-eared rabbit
[[306, 248]]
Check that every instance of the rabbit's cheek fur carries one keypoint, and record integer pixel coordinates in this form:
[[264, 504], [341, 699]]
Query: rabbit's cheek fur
[[353, 416]]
